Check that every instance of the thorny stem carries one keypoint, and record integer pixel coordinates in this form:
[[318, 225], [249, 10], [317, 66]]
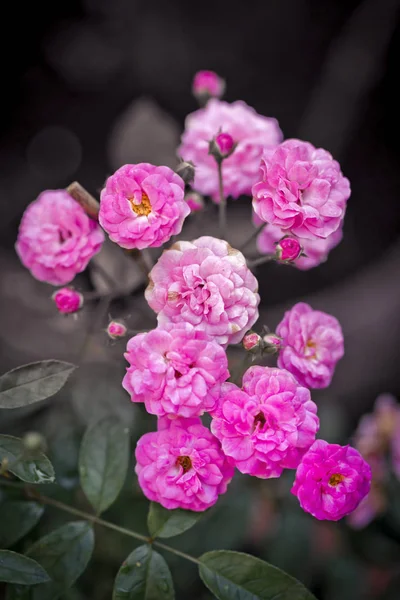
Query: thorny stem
[[261, 260], [222, 202], [32, 494], [252, 237]]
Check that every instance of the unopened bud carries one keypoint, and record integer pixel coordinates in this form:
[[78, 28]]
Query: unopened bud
[[222, 146], [288, 249], [116, 330], [67, 300], [206, 85], [186, 171], [251, 341], [34, 442], [195, 201], [272, 343]]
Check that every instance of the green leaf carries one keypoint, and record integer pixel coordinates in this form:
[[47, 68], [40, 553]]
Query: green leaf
[[33, 382], [237, 575], [64, 553], [144, 576], [103, 462], [16, 568], [37, 469], [165, 523], [17, 519]]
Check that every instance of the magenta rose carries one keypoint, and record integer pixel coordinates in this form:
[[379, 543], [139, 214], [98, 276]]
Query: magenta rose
[[142, 206]]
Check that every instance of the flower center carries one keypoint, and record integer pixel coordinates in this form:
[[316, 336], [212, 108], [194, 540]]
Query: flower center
[[185, 463], [259, 419], [142, 209], [335, 479], [311, 349]]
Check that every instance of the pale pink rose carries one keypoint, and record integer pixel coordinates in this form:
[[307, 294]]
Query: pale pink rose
[[208, 284], [301, 189], [251, 131], [67, 300], [142, 206], [331, 480], [56, 238], [312, 344], [267, 426], [316, 250], [209, 84], [175, 369], [182, 466]]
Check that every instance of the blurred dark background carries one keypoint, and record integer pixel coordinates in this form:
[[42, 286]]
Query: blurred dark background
[[92, 84]]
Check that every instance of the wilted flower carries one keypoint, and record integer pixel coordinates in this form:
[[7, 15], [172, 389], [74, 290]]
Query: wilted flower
[[56, 238]]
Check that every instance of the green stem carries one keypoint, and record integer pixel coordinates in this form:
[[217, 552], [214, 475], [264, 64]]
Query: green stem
[[34, 495], [222, 202], [252, 237], [261, 260]]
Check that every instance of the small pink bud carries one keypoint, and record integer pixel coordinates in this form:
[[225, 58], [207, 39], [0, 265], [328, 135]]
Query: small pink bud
[[195, 201], [272, 342], [251, 341], [222, 146], [288, 249], [207, 84], [116, 330], [67, 300]]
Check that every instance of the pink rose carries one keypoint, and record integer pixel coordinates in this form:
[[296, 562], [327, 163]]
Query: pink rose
[[56, 238], [331, 480], [251, 132], [142, 206], [302, 190], [208, 284], [175, 369], [312, 344], [267, 426], [182, 466]]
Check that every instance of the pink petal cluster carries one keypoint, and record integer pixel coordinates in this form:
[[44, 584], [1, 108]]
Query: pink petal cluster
[[251, 131], [182, 466], [175, 369], [312, 344], [208, 284], [67, 300], [56, 238], [302, 190], [331, 480], [316, 250], [267, 426], [143, 205]]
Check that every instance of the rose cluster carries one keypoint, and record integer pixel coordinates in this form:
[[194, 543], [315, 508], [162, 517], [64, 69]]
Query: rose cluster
[[206, 297]]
